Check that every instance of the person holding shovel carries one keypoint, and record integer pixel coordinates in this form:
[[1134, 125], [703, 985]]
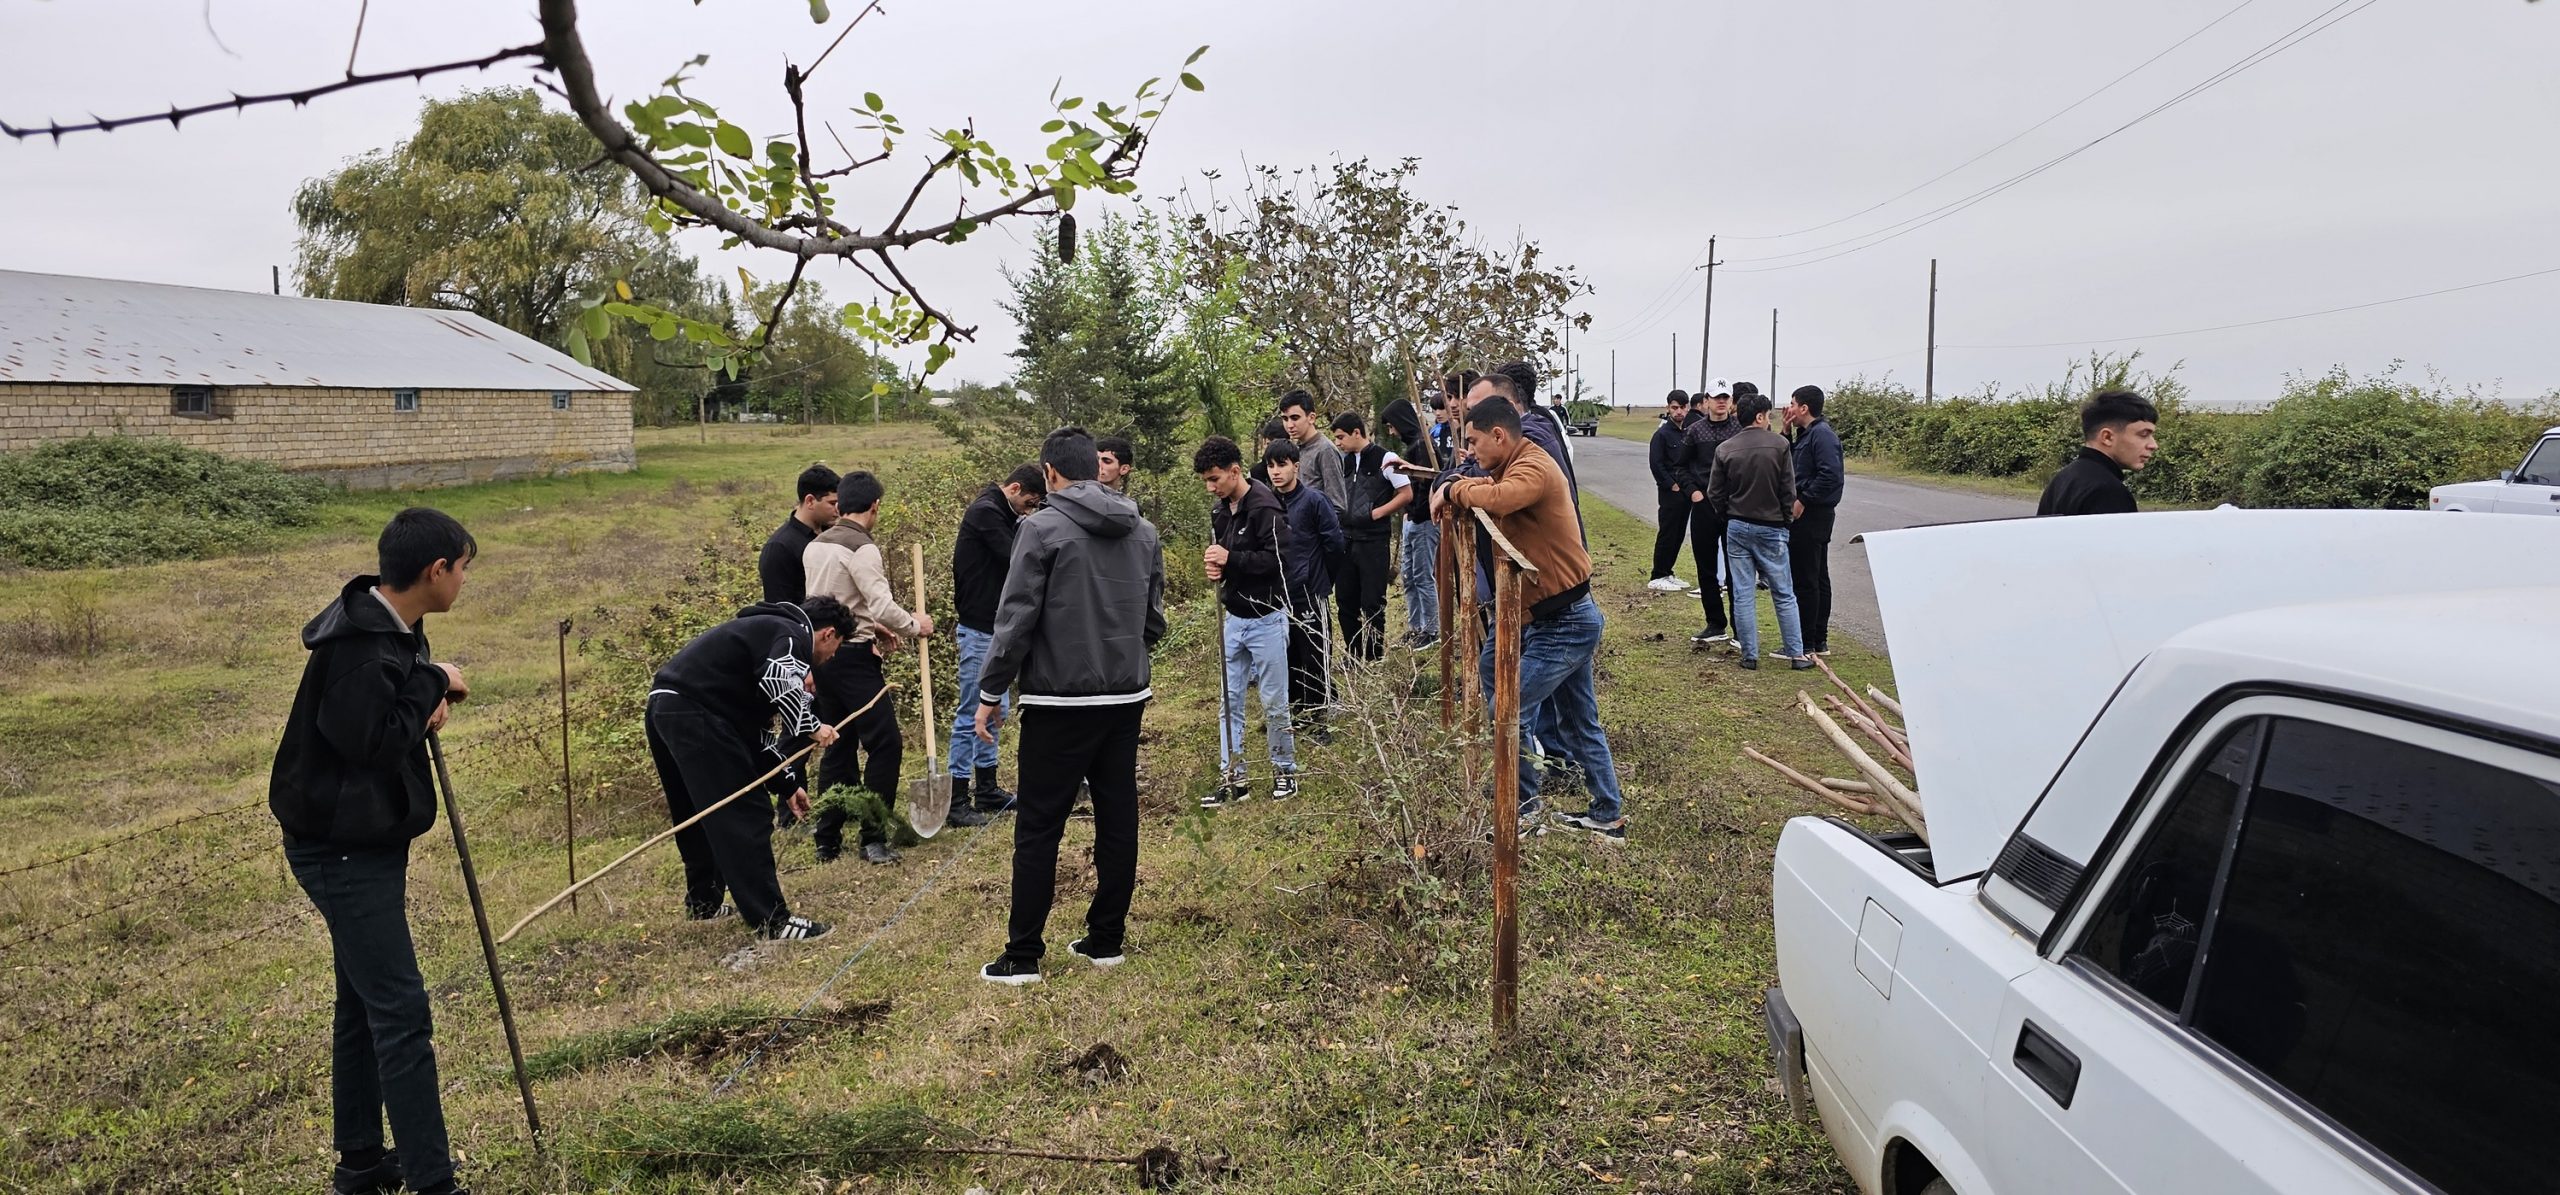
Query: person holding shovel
[[843, 563], [351, 787]]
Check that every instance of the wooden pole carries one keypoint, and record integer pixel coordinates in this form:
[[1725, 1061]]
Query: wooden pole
[[488, 948], [1773, 354], [687, 823], [924, 668], [1808, 784], [1470, 648], [1890, 792], [1706, 319], [1506, 798], [568, 800], [1447, 564], [1929, 377]]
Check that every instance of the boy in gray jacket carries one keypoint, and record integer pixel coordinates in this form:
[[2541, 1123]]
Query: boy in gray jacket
[[1083, 606]]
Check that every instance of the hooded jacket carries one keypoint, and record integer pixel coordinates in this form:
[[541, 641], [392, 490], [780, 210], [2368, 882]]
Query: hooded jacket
[[750, 671], [351, 769], [1256, 538], [1314, 543], [979, 557], [1083, 604]]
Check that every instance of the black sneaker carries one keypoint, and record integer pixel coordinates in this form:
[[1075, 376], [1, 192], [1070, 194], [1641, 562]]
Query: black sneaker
[[1011, 972], [1750, 662], [1082, 948], [796, 929], [878, 853], [1802, 663], [694, 913], [1711, 635], [962, 815], [1284, 787], [1609, 831], [380, 1177]]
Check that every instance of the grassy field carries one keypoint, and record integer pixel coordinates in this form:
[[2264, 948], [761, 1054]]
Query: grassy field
[[1294, 1017]]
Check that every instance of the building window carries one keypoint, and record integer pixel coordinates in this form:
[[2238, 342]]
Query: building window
[[559, 400], [404, 400], [193, 402]]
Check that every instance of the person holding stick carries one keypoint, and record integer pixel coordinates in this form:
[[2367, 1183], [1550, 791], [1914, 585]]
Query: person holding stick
[[1526, 493], [845, 564], [1246, 556], [351, 787], [1083, 606], [1315, 543], [708, 714]]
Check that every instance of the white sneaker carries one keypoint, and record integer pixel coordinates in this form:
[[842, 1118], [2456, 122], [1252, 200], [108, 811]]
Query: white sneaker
[[1666, 585]]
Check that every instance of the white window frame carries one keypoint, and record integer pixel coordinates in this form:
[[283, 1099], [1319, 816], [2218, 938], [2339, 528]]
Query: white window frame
[[404, 402]]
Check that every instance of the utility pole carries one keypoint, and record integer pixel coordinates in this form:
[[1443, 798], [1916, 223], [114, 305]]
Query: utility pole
[[275, 278], [1705, 320], [1675, 360], [1568, 357], [1929, 377], [1773, 354], [1613, 378]]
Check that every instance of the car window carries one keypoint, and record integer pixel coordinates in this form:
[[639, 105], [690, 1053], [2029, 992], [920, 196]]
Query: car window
[[2146, 933], [2543, 466], [2386, 946]]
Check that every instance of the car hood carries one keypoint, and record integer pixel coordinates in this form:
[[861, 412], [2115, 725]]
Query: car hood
[[2009, 637]]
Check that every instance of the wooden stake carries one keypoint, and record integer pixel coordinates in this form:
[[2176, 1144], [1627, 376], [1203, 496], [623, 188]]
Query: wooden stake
[[1470, 649], [687, 823], [488, 949], [568, 798], [1887, 702], [1446, 565], [1868, 728], [1847, 786], [1806, 783], [1506, 798], [1854, 698], [1904, 803]]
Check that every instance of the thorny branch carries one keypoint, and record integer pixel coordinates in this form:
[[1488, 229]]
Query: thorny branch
[[239, 102]]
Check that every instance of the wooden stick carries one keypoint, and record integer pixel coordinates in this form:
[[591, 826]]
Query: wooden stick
[[1854, 698], [1508, 609], [1801, 781], [1847, 786], [1902, 801], [1867, 727], [488, 949], [1887, 702], [924, 665], [1500, 541], [568, 798], [686, 824]]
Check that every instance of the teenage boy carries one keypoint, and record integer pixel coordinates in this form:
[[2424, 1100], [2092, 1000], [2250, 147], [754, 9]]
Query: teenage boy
[[708, 714], [1670, 501], [1117, 457], [1248, 542], [1319, 465], [1083, 605], [1314, 544], [1525, 492], [351, 788], [1821, 478], [1379, 493], [1753, 486], [1709, 427], [778, 566], [1420, 540], [980, 556], [2119, 431], [845, 564]]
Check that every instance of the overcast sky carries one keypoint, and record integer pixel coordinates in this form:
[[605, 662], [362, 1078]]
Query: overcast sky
[[2412, 147]]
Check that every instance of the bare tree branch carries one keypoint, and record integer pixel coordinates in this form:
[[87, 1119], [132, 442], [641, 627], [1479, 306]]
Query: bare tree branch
[[363, 9], [238, 102], [855, 163], [867, 10]]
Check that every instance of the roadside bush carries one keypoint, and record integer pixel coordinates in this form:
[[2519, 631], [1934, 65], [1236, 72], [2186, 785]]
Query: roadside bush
[[111, 500], [2338, 441], [1868, 414]]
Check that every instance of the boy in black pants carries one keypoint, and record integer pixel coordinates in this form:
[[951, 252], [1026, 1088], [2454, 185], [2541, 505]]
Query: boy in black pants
[[351, 788], [708, 712]]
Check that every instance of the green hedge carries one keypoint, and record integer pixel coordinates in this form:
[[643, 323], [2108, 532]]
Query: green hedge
[[107, 500], [2330, 441]]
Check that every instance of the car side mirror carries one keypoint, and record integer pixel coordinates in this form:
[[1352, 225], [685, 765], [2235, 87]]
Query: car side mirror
[[2506, 475]]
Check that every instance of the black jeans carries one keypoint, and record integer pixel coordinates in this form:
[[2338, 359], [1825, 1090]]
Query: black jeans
[[1061, 747], [1809, 560], [1706, 542], [701, 758], [1310, 650], [1670, 526], [844, 683], [1360, 595], [382, 1049]]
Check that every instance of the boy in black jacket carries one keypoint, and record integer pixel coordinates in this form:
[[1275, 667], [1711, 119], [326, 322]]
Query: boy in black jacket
[[1245, 558], [351, 788], [980, 556], [708, 712]]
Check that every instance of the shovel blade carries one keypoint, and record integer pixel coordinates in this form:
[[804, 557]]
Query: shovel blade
[[928, 805]]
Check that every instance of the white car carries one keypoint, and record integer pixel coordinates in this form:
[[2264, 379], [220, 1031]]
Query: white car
[[2243, 868], [2530, 488]]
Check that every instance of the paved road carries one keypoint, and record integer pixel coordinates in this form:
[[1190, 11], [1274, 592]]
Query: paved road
[[1615, 469]]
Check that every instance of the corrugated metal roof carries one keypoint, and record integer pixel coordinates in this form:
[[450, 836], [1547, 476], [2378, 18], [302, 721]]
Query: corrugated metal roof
[[100, 331]]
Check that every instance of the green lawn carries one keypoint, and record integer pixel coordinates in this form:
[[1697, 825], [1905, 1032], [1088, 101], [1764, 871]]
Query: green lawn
[[1300, 1001]]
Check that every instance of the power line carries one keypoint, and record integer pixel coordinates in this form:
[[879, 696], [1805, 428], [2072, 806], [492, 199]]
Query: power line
[[2294, 37], [2276, 319], [2013, 138]]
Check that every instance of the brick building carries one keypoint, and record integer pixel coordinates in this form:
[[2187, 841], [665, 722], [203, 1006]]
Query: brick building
[[373, 396]]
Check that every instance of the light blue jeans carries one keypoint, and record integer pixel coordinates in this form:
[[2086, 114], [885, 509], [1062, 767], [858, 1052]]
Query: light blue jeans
[[1258, 660], [969, 752], [1422, 580], [1752, 554], [1559, 704]]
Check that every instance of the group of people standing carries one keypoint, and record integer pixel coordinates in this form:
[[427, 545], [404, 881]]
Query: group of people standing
[[1755, 506]]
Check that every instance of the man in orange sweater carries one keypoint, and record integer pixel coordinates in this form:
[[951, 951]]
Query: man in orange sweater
[[1527, 496]]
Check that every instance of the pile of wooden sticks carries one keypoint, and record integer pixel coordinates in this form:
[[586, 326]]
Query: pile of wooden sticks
[[1878, 791]]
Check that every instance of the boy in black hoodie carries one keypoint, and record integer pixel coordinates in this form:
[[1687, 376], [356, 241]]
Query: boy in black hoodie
[[709, 709], [351, 788], [1246, 558]]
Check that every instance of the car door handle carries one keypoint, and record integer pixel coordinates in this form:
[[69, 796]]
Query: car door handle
[[2043, 1061]]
